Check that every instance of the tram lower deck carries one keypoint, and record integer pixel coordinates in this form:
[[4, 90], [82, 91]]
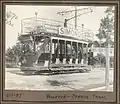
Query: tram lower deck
[[42, 53]]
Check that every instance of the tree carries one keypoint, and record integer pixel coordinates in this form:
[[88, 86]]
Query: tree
[[100, 58], [107, 27], [18, 51], [96, 44], [10, 54]]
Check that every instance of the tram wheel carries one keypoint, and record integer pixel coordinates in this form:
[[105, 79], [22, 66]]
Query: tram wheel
[[28, 73], [81, 71]]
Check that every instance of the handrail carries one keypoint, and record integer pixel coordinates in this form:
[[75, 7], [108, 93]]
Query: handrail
[[51, 20]]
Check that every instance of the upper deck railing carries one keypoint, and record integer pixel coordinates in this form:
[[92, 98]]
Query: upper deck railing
[[33, 25]]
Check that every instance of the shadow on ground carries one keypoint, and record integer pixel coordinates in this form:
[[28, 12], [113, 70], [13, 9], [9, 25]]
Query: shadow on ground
[[56, 83]]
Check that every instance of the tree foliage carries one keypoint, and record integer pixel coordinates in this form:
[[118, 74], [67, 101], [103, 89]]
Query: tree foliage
[[107, 27], [16, 52]]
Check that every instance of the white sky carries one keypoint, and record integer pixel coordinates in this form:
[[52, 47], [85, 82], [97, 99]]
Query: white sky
[[90, 20]]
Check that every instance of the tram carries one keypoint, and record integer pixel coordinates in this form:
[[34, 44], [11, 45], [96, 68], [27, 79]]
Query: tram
[[52, 52]]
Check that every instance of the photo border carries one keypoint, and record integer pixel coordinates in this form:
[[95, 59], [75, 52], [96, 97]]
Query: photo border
[[83, 3]]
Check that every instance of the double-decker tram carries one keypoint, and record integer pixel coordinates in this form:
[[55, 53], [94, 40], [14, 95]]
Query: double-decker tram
[[58, 51]]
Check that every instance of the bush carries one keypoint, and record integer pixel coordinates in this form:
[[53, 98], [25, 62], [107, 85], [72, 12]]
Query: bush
[[100, 59], [11, 65]]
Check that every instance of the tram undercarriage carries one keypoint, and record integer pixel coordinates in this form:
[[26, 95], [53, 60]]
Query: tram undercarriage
[[55, 69]]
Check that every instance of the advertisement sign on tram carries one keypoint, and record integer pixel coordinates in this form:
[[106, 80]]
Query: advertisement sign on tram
[[83, 35]]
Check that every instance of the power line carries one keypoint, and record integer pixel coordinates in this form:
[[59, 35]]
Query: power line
[[63, 12], [86, 10]]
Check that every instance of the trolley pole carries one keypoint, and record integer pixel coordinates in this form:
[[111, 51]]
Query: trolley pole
[[75, 17]]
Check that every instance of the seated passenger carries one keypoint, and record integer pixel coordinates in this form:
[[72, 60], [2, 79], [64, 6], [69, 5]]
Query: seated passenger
[[68, 53], [53, 58], [79, 55], [61, 55], [73, 56]]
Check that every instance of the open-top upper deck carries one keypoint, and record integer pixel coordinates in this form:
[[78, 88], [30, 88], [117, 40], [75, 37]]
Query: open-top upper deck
[[54, 28]]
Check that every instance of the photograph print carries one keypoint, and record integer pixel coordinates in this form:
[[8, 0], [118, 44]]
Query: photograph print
[[59, 48]]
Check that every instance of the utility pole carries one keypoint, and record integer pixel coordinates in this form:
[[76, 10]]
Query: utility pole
[[107, 65], [65, 23], [75, 17]]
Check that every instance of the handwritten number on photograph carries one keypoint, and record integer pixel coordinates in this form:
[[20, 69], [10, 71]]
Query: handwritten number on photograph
[[14, 95]]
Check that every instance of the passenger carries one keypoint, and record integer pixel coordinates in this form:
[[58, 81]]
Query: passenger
[[90, 57], [61, 52], [84, 58], [53, 58], [79, 55], [68, 53], [73, 55], [84, 55]]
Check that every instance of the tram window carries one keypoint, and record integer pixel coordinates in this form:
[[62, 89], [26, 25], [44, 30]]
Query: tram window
[[84, 48], [42, 43], [84, 53], [74, 52], [55, 50], [55, 46], [68, 51], [62, 50], [80, 52], [80, 48]]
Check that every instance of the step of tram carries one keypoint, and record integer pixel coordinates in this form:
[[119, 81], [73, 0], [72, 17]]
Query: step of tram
[[68, 65], [53, 72], [71, 69]]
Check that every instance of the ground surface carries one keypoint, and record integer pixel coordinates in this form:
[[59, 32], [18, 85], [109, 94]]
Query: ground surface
[[92, 81]]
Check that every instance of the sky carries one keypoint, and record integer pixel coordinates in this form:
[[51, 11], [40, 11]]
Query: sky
[[90, 20]]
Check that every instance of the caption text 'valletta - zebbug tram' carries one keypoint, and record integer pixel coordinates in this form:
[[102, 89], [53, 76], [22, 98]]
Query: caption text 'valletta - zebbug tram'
[[52, 48]]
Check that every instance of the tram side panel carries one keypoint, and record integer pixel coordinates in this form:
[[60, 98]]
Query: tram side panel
[[59, 53], [68, 53]]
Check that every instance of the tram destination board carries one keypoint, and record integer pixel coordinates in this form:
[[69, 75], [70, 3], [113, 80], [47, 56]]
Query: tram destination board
[[60, 52]]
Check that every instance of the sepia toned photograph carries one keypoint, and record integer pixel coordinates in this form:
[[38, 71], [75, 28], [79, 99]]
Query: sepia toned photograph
[[59, 48]]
